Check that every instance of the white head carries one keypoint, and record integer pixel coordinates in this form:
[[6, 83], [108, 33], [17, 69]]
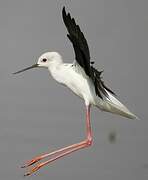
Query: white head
[[48, 58], [45, 60]]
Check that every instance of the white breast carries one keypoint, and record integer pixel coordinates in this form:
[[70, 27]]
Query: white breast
[[75, 78]]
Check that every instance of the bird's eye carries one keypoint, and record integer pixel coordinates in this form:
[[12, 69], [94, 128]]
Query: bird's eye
[[44, 60]]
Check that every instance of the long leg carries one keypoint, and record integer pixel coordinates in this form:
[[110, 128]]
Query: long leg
[[64, 151]]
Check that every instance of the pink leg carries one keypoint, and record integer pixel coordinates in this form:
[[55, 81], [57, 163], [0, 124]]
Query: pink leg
[[64, 151]]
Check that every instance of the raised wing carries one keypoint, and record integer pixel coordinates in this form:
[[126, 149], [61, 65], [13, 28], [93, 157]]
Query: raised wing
[[82, 54]]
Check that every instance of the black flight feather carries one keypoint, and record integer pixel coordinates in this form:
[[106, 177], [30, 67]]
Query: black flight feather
[[79, 42], [82, 54]]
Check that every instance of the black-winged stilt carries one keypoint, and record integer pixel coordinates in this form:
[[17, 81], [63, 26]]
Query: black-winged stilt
[[84, 80]]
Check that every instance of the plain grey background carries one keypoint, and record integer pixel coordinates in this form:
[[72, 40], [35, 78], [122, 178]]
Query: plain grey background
[[38, 115]]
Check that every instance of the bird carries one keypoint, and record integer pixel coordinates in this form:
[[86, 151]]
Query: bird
[[84, 80]]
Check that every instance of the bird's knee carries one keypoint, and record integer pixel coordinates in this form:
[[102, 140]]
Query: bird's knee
[[89, 141]]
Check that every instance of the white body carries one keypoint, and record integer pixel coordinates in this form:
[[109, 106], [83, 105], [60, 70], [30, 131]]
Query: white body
[[74, 77]]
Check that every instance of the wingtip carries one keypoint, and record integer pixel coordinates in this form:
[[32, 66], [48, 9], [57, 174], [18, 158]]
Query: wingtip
[[63, 11], [137, 118]]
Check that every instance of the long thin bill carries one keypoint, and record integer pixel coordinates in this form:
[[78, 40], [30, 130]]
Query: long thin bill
[[25, 69]]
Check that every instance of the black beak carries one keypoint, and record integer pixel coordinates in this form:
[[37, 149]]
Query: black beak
[[25, 69]]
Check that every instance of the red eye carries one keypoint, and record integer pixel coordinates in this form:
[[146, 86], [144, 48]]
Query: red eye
[[44, 60]]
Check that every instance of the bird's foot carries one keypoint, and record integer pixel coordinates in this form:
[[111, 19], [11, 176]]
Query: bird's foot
[[33, 170], [54, 156], [31, 162]]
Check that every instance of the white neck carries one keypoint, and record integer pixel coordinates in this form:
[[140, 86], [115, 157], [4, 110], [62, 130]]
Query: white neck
[[55, 69]]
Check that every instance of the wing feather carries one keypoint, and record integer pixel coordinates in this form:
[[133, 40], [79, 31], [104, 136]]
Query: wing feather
[[82, 54]]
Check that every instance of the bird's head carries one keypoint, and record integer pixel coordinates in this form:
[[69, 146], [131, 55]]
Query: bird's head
[[45, 60], [48, 58]]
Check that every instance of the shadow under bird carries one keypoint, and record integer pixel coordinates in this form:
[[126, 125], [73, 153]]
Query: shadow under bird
[[84, 80]]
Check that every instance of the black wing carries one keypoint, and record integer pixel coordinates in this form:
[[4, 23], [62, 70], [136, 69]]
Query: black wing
[[82, 54], [79, 42], [100, 88]]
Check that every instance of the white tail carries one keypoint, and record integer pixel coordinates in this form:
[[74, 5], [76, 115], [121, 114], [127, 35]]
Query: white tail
[[114, 106]]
